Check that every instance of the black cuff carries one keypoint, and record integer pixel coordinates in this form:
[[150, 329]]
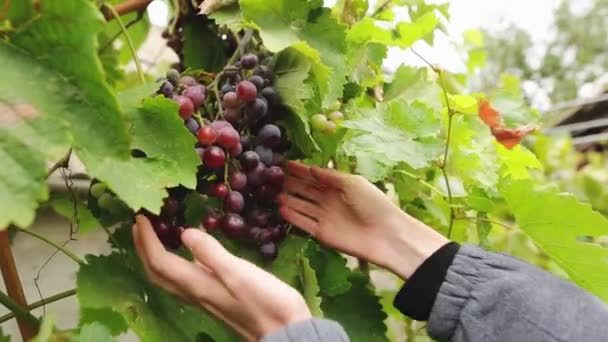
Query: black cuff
[[416, 297]]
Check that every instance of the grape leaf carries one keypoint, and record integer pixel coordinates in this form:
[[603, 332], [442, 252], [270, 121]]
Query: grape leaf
[[23, 178], [516, 162], [350, 11], [284, 23], [17, 11], [67, 30], [358, 310], [411, 83], [203, 48], [556, 221], [378, 146], [93, 332], [366, 31], [112, 282], [109, 318], [330, 269], [421, 27], [229, 16], [63, 204]]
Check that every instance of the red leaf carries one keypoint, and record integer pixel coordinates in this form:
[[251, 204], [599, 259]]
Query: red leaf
[[489, 115], [508, 137]]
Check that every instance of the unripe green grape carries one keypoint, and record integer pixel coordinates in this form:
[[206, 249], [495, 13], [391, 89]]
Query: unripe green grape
[[173, 76], [330, 127], [318, 122], [98, 189], [106, 201], [336, 116], [334, 106]]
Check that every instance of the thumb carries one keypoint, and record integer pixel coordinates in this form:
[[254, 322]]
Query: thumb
[[209, 252]]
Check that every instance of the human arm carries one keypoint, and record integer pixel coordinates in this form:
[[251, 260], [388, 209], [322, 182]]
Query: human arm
[[256, 304], [465, 293]]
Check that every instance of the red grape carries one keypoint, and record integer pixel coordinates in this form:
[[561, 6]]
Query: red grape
[[211, 221], [330, 127], [265, 154], [187, 81], [231, 100], [192, 126], [173, 76], [219, 124], [232, 115], [166, 89], [255, 176], [170, 208], [246, 91], [271, 95], [258, 81], [269, 135], [206, 135], [256, 109], [275, 175], [259, 217], [234, 202], [233, 226], [253, 234], [231, 71], [266, 193], [228, 138], [249, 61], [249, 160], [236, 151], [269, 251], [196, 94], [186, 107], [214, 157], [219, 190], [237, 180]]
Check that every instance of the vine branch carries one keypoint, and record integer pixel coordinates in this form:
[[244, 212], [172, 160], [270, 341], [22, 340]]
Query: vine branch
[[483, 219], [15, 300], [62, 163], [139, 17], [18, 310], [40, 303], [123, 28], [443, 165], [126, 8], [63, 250]]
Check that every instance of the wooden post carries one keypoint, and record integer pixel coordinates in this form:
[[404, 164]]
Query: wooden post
[[13, 284]]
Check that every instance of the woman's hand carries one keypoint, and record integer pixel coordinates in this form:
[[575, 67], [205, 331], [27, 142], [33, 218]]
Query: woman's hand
[[251, 301], [350, 214]]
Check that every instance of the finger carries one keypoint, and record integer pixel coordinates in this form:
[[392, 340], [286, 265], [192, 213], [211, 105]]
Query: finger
[[209, 252], [299, 220], [174, 273], [303, 188], [299, 170], [329, 177], [303, 206]]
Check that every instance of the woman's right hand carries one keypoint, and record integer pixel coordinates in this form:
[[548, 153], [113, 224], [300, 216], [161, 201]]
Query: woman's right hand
[[350, 214]]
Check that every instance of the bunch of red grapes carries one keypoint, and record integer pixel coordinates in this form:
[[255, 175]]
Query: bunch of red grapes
[[241, 151]]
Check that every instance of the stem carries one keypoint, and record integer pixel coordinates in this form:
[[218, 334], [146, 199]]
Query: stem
[[40, 303], [18, 310], [140, 70], [127, 7], [4, 11], [15, 301], [363, 266], [425, 183], [63, 162], [64, 250], [443, 165], [483, 219], [381, 8], [140, 16]]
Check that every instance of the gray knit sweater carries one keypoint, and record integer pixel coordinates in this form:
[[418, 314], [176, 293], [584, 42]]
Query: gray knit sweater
[[491, 297]]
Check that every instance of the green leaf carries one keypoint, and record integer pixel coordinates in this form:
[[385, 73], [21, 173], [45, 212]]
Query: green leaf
[[94, 332], [203, 48], [18, 11], [358, 310], [421, 27], [330, 269], [366, 31], [350, 11], [110, 319], [284, 23], [23, 178], [115, 282], [516, 162], [378, 146], [229, 16], [411, 83], [556, 221], [63, 204], [67, 30]]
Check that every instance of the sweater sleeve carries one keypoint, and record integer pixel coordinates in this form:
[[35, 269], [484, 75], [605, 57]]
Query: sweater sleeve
[[495, 297], [311, 330]]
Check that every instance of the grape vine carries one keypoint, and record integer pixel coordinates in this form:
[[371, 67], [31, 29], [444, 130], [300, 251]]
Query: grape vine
[[257, 83]]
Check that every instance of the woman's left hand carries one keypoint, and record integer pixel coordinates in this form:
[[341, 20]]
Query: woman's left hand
[[250, 300]]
